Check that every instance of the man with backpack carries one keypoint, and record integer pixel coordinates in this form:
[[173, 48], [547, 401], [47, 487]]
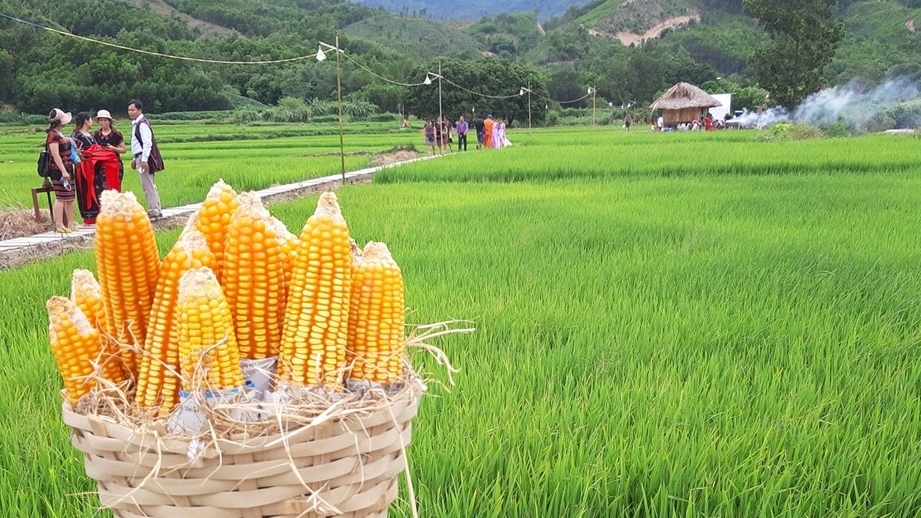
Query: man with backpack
[[146, 156]]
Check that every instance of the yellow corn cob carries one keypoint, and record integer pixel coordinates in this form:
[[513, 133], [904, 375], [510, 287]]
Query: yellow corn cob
[[77, 349], [254, 279], [214, 217], [128, 263], [376, 317], [288, 242], [316, 317], [86, 293], [206, 337], [158, 383]]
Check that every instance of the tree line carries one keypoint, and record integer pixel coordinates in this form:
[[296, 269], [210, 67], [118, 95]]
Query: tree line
[[40, 69]]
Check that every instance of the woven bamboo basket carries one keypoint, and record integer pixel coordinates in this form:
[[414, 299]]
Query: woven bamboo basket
[[345, 466]]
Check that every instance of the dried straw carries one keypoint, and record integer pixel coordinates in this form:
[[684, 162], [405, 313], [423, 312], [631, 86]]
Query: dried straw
[[311, 453]]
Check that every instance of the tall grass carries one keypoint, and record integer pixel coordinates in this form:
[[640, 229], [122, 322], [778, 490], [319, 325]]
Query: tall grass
[[707, 344]]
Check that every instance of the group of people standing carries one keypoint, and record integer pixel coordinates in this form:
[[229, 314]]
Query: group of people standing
[[88, 163], [490, 133]]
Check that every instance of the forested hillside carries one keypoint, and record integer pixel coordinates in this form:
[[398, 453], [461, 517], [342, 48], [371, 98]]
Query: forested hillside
[[39, 69], [628, 50], [473, 9]]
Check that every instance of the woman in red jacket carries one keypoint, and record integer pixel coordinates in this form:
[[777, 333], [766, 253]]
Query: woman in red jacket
[[113, 141]]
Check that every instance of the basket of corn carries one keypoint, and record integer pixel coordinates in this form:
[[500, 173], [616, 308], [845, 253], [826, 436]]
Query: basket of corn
[[250, 373]]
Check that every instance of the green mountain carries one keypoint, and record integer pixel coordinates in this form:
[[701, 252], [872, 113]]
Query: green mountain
[[629, 50], [632, 50]]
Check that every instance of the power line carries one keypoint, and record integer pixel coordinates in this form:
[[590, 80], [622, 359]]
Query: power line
[[375, 74], [269, 62], [446, 80], [157, 54]]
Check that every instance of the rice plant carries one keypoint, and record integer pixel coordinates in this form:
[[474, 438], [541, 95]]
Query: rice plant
[[667, 325]]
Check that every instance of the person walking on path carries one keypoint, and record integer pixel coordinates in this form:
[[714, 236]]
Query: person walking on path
[[461, 129], [62, 169], [147, 159], [496, 141], [488, 129], [444, 130], [503, 140], [113, 141], [428, 134], [480, 132]]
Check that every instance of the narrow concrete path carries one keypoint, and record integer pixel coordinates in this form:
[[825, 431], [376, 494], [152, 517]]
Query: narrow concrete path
[[17, 251]]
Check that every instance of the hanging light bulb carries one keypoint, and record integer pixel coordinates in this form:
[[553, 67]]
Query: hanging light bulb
[[321, 56], [428, 80]]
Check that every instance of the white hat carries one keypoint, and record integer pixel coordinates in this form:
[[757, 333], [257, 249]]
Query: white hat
[[103, 114], [60, 116]]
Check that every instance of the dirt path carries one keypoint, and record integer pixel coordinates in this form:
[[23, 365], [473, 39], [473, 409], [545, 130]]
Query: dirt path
[[21, 222]]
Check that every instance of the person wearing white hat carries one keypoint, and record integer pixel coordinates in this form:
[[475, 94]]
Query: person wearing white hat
[[62, 170], [111, 139]]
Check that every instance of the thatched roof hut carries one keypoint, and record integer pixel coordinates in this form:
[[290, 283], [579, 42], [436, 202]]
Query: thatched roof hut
[[683, 103]]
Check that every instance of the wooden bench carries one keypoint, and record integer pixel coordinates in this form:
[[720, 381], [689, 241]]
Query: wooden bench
[[47, 189]]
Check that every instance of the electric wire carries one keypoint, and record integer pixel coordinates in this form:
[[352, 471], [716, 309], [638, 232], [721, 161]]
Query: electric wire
[[277, 61]]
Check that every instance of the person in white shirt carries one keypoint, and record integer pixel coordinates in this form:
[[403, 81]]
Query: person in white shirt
[[146, 157]]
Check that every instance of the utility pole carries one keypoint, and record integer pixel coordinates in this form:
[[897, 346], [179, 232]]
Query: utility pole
[[339, 98], [321, 56], [529, 107], [592, 91], [521, 91]]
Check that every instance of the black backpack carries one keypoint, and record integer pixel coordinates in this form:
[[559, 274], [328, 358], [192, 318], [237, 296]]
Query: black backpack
[[44, 163]]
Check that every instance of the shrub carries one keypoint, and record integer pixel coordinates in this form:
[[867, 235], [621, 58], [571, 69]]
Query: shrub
[[194, 116], [291, 109], [383, 117], [322, 107], [789, 131], [358, 109], [325, 118], [838, 129], [880, 122], [906, 115], [247, 116], [7, 116]]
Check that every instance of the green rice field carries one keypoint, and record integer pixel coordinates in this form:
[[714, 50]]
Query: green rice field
[[667, 325], [247, 157]]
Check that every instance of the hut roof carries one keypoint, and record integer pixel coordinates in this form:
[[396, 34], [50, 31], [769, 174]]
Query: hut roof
[[684, 95]]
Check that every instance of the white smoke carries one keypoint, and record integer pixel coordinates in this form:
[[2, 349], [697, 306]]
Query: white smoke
[[853, 104], [762, 119]]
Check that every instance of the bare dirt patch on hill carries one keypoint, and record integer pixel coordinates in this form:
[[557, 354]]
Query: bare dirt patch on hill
[[201, 26], [628, 38]]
